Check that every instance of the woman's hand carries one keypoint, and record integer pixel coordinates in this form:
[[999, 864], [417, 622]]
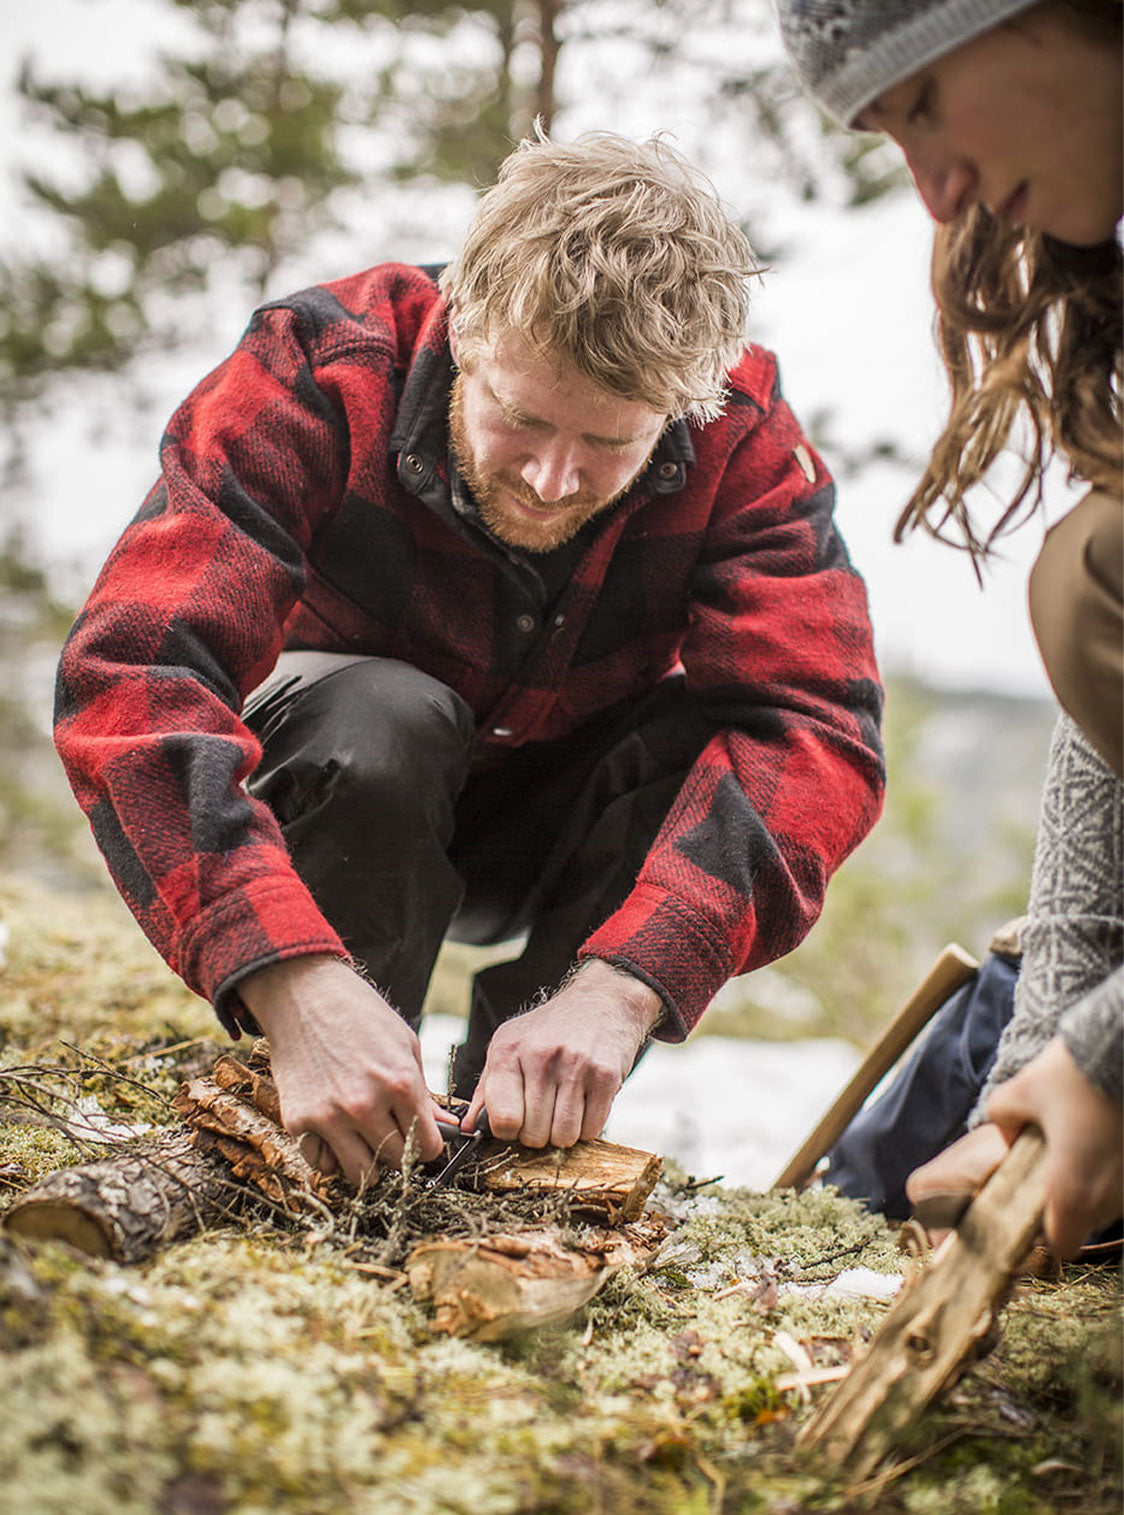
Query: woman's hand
[[1084, 1135], [1084, 1132]]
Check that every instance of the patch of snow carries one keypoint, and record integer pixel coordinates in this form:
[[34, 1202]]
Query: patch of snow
[[852, 1283], [91, 1123], [730, 1107]]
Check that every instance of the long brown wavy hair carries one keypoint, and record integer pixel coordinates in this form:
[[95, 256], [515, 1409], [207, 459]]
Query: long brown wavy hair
[[1031, 330]]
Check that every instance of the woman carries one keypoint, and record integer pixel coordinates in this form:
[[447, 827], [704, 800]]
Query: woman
[[1009, 116]]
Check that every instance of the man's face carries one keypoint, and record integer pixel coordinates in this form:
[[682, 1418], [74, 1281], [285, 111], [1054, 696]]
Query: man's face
[[542, 449]]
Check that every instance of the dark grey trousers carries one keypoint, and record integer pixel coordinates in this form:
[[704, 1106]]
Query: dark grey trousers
[[403, 840]]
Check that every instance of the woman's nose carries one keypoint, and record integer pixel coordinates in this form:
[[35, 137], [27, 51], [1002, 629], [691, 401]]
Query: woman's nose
[[946, 185], [552, 473]]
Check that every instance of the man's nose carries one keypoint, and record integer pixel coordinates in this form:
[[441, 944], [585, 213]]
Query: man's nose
[[552, 472], [946, 185]]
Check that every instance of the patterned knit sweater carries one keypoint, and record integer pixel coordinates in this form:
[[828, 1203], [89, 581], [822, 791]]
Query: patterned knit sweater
[[1072, 979]]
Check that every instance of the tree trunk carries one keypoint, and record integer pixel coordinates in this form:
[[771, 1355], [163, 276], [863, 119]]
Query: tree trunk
[[547, 12]]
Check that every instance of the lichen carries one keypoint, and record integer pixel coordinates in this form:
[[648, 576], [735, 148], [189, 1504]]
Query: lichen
[[257, 1368]]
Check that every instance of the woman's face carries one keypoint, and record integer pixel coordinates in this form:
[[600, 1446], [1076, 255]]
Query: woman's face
[[1025, 119]]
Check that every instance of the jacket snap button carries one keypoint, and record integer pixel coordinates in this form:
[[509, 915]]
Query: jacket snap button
[[525, 622], [668, 470], [501, 730], [413, 462]]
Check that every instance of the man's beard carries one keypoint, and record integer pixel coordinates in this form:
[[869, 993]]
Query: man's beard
[[492, 492]]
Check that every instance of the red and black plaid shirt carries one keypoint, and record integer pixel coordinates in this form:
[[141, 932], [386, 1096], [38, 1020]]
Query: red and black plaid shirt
[[304, 501]]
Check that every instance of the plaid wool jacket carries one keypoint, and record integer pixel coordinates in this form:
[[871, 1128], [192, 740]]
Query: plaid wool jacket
[[304, 502]]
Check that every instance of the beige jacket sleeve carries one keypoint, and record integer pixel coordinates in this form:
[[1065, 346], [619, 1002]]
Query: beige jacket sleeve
[[1077, 611]]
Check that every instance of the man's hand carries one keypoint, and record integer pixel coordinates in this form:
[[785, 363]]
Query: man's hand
[[348, 1069], [553, 1072], [1084, 1134]]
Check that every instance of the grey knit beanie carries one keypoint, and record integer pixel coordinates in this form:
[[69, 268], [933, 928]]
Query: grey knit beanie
[[847, 52]]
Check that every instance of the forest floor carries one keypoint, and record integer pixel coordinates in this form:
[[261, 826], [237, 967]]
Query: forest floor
[[256, 1368]]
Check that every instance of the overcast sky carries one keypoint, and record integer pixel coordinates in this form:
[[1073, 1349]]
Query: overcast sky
[[848, 313]]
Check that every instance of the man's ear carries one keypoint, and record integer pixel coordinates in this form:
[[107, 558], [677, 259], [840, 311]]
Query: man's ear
[[454, 342]]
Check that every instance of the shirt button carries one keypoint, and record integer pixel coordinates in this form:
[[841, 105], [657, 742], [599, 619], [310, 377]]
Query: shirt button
[[501, 730], [525, 623]]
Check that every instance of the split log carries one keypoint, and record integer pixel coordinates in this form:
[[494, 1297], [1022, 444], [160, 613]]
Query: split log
[[129, 1205], [495, 1286], [600, 1175], [934, 1330]]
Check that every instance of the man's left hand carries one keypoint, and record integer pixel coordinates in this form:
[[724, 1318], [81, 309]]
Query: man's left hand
[[552, 1073]]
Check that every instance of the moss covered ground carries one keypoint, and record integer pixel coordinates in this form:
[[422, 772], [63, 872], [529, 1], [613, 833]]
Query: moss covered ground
[[256, 1368]]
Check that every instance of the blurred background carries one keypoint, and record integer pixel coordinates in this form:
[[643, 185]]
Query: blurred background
[[168, 165]]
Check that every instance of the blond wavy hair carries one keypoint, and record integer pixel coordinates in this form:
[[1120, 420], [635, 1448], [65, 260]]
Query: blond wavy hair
[[614, 256], [1030, 330]]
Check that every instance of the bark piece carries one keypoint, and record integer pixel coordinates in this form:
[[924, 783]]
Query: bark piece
[[934, 1330], [496, 1286], [603, 1176], [128, 1206], [252, 1081], [223, 1114]]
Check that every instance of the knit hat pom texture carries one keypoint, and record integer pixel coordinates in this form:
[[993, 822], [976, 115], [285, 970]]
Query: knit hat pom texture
[[848, 52]]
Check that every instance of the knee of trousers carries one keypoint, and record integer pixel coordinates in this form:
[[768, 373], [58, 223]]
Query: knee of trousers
[[376, 738]]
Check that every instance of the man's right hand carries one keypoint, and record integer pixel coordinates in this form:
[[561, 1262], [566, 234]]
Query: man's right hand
[[348, 1069]]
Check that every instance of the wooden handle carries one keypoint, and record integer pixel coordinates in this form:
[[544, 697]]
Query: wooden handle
[[953, 968]]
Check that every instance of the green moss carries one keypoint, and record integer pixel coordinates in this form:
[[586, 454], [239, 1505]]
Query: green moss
[[253, 1371]]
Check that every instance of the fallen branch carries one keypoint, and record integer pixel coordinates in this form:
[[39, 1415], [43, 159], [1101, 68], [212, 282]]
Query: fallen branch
[[128, 1206], [934, 1329]]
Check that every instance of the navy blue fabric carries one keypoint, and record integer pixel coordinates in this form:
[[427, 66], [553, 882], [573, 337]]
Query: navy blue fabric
[[928, 1103]]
